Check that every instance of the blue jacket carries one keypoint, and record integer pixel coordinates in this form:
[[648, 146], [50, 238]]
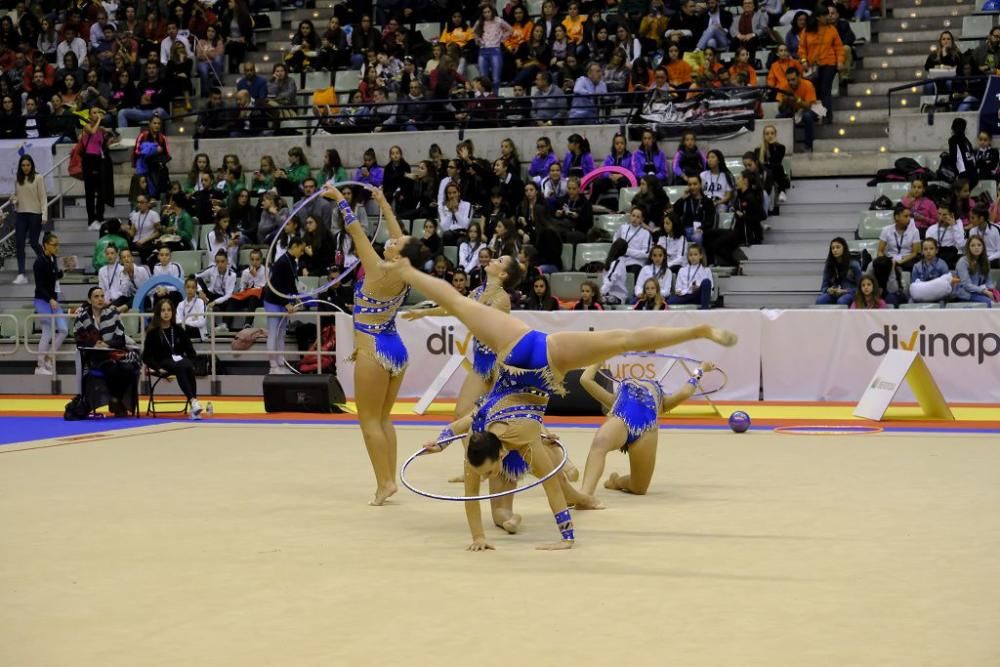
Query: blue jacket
[[584, 107], [847, 282], [539, 167], [923, 272], [659, 161], [586, 163], [971, 283], [257, 87]]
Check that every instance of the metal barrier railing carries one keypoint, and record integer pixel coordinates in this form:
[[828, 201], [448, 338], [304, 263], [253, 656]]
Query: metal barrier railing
[[214, 342], [13, 341]]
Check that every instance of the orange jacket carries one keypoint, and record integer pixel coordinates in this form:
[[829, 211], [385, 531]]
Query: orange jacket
[[574, 29], [776, 75], [459, 36], [805, 96], [518, 36], [678, 72], [751, 74], [822, 47]]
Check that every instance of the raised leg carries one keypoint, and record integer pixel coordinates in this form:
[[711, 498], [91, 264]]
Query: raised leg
[[495, 329], [609, 437], [577, 349]]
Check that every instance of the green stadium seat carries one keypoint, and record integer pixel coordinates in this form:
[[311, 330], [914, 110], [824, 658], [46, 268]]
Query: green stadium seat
[[871, 223], [590, 252], [450, 253], [894, 191], [675, 192], [567, 256], [966, 304], [566, 284], [726, 220], [190, 260], [625, 196], [610, 222]]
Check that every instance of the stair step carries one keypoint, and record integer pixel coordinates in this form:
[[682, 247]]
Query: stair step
[[909, 36], [880, 88], [924, 10], [899, 5], [897, 74], [846, 145], [910, 47], [906, 24], [780, 236], [784, 252], [840, 129], [912, 61], [790, 283], [798, 268], [781, 300], [874, 101]]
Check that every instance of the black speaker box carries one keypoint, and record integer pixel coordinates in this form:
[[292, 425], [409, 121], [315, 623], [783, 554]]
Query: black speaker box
[[577, 402], [302, 393]]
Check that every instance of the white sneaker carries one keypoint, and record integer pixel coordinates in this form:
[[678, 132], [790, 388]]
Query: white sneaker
[[781, 197], [95, 226], [42, 370], [279, 370], [21, 279], [221, 328], [209, 410]]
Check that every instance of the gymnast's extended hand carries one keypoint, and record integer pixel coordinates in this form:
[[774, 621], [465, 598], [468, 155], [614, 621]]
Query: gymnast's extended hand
[[433, 447]]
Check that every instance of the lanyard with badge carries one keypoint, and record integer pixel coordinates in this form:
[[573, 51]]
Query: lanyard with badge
[[899, 242], [695, 214], [170, 343]]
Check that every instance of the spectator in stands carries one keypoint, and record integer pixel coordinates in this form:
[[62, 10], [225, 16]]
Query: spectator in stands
[[202, 162], [153, 98], [482, 108], [532, 57], [420, 195], [304, 49], [948, 235], [31, 203], [71, 43], [540, 297], [99, 326], [334, 47], [653, 201], [649, 296], [273, 213], [648, 159], [98, 177], [288, 181], [695, 212], [167, 45], [214, 118], [840, 275], [751, 28], [106, 254], [749, 209], [573, 23], [658, 270], [694, 281], [165, 266], [223, 237], [613, 285], [143, 226], [179, 70], [798, 104], [590, 297], [573, 213], [130, 278], [616, 72], [961, 156], [987, 157], [600, 48], [822, 52], [46, 277], [921, 206], [11, 122], [987, 55], [176, 222], [930, 279], [688, 160], [578, 160], [332, 169], [34, 124], [236, 26], [168, 349], [441, 268], [282, 93], [560, 49], [413, 111], [716, 33], [548, 104], [490, 32], [961, 199], [947, 54], [505, 240], [248, 118], [252, 82], [510, 184], [776, 74], [209, 54], [216, 285], [637, 238], [94, 93], [544, 158], [364, 38], [771, 155], [680, 76], [191, 311], [318, 208], [468, 250], [430, 239], [150, 156], [717, 181], [868, 296], [653, 25], [553, 186], [743, 72], [60, 122], [898, 249], [320, 248], [686, 26], [990, 233], [973, 271], [454, 215]]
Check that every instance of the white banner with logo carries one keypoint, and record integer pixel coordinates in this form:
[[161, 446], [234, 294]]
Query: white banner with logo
[[817, 355], [431, 341], [40, 151]]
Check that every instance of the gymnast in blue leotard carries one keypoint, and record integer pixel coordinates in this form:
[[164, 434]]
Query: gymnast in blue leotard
[[533, 363], [632, 426], [379, 354]]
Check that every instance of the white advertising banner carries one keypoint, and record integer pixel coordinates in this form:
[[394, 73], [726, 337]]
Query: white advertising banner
[[431, 342], [817, 355], [40, 151]]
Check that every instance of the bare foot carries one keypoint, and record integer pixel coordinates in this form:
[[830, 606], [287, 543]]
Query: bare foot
[[561, 545], [722, 337], [457, 479], [512, 524], [585, 502], [612, 482], [382, 494]]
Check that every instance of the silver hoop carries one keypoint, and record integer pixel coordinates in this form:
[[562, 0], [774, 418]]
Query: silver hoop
[[347, 271], [487, 496], [664, 355]]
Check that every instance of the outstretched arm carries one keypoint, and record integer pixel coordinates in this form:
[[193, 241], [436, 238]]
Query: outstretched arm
[[688, 390], [395, 231], [588, 380], [474, 513]]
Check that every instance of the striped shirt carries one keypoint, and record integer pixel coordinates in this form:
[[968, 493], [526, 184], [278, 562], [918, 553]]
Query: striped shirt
[[109, 328]]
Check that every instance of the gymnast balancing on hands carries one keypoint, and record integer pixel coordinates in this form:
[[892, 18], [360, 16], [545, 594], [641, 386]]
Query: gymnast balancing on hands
[[632, 426], [380, 357], [531, 366]]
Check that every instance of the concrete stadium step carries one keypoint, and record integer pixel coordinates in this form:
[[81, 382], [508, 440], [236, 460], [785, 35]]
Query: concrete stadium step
[[907, 24], [912, 47], [792, 283], [838, 128], [804, 236], [837, 196], [899, 5], [861, 101], [71, 292], [845, 146], [879, 89], [925, 10], [901, 74], [781, 300], [901, 37], [79, 211], [913, 61], [799, 268], [823, 221], [785, 252]]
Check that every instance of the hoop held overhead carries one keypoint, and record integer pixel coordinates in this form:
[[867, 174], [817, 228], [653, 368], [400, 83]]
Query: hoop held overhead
[[487, 496]]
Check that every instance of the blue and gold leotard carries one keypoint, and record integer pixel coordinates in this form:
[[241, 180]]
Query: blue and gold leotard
[[637, 403], [375, 319], [484, 359]]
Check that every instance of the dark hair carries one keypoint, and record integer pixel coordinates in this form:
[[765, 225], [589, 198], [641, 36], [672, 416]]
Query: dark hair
[[155, 323], [616, 251], [932, 240], [93, 289], [483, 446], [582, 142], [980, 210], [20, 174], [958, 127], [834, 266], [899, 208], [48, 238], [294, 241], [415, 251], [515, 273]]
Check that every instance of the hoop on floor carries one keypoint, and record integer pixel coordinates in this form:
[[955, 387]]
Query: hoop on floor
[[347, 271], [487, 496], [701, 394], [828, 429]]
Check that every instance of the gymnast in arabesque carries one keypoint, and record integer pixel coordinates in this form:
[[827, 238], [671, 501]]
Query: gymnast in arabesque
[[531, 365]]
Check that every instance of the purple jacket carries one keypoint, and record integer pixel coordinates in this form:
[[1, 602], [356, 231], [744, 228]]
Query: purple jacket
[[375, 175], [586, 163], [659, 161], [626, 161], [539, 168], [678, 168]]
